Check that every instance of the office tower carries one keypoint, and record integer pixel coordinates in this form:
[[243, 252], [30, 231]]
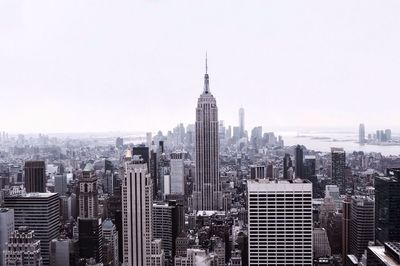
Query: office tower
[[168, 222], [346, 218], [137, 201], [35, 176], [39, 212], [361, 134], [23, 249], [280, 222], [338, 164], [207, 188], [362, 225], [258, 172], [299, 161], [63, 251], [177, 174], [236, 133], [241, 122], [321, 243], [87, 197], [90, 239], [309, 166], [6, 228], [387, 211], [287, 163], [60, 184], [110, 243]]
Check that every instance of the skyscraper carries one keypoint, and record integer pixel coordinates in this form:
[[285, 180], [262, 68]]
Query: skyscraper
[[88, 200], [177, 175], [287, 163], [280, 222], [110, 243], [241, 122], [168, 221], [39, 212], [35, 176], [361, 134], [207, 188], [362, 225], [299, 161], [387, 211], [338, 156], [137, 201]]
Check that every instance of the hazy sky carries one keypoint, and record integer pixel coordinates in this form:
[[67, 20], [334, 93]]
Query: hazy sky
[[77, 65]]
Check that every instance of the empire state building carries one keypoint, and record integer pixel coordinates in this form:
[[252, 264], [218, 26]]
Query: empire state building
[[207, 188]]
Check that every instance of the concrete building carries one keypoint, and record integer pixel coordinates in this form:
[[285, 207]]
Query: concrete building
[[60, 184], [177, 174], [280, 222], [362, 225], [110, 243], [207, 193], [322, 249], [39, 212], [6, 228], [22, 249], [63, 251], [87, 193]]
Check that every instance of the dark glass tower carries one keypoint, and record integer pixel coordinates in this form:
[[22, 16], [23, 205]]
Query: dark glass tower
[[35, 176], [387, 210], [299, 162]]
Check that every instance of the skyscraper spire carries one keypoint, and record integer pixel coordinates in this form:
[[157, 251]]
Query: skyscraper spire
[[206, 82]]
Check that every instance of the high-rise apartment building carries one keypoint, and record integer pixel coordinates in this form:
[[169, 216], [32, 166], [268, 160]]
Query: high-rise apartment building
[[22, 249], [338, 157], [177, 174], [137, 201], [207, 188], [280, 222], [35, 176], [39, 212]]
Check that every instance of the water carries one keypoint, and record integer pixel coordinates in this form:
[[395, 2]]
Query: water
[[323, 141]]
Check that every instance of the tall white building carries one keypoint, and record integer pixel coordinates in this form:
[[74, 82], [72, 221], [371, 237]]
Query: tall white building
[[207, 188], [137, 203], [6, 228], [280, 222], [177, 175]]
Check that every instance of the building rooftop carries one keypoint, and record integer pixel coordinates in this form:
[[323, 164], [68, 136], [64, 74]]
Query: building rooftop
[[379, 252], [267, 185]]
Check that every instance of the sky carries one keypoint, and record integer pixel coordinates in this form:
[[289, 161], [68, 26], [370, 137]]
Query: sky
[[97, 65]]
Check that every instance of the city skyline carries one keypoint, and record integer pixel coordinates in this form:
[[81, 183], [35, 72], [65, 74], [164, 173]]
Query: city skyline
[[56, 76]]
